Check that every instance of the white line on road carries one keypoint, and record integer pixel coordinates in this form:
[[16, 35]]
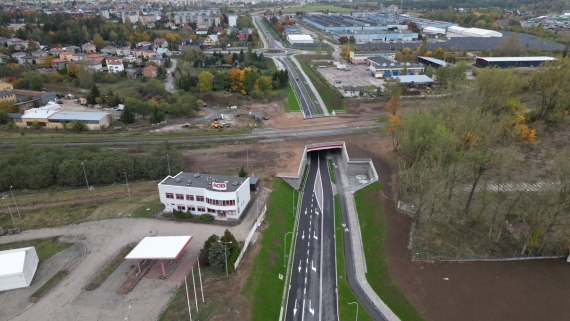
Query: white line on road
[[311, 310], [299, 266], [295, 308], [303, 314], [313, 267], [315, 235]]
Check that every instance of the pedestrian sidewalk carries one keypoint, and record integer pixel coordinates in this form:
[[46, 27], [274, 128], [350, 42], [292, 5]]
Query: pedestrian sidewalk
[[359, 258]]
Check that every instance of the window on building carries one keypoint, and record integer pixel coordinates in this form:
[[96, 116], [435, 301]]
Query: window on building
[[179, 196], [200, 198], [189, 197], [169, 195], [200, 209], [181, 207], [192, 208], [232, 212], [211, 210]]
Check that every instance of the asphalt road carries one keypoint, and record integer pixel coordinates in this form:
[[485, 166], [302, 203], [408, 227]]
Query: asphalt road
[[272, 43], [312, 289], [305, 99], [348, 255]]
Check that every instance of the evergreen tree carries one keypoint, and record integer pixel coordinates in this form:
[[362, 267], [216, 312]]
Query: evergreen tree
[[127, 116]]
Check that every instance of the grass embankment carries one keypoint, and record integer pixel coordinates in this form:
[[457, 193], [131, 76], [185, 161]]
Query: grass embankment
[[271, 64], [331, 171], [100, 277], [45, 248], [48, 285], [292, 103], [76, 206], [330, 96], [373, 230], [263, 285], [346, 311], [39, 136]]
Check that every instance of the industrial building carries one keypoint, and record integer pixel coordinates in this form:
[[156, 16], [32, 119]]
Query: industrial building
[[361, 57], [17, 268], [474, 32], [49, 116], [505, 62], [434, 62], [295, 39], [374, 36], [383, 67], [220, 196], [415, 79]]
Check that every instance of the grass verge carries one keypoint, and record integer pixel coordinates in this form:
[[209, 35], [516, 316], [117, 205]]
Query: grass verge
[[346, 311], [263, 285], [292, 102], [148, 209], [304, 178], [100, 277], [49, 284], [330, 96], [373, 230], [45, 248], [270, 29], [331, 171]]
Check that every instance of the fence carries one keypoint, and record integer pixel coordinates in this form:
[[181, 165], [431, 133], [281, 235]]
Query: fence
[[250, 235]]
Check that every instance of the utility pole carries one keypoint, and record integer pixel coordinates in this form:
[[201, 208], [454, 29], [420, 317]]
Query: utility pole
[[247, 161], [9, 210], [13, 198], [188, 298], [226, 254], [85, 173], [128, 190], [168, 161], [200, 276], [194, 283]]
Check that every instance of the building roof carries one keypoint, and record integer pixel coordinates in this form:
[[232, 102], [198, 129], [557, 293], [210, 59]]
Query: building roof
[[352, 88], [508, 59], [434, 61], [368, 53], [383, 62], [414, 79], [150, 68], [31, 93], [40, 112], [204, 181], [114, 63], [78, 115], [160, 247], [300, 37], [58, 60], [253, 180], [6, 93], [13, 261]]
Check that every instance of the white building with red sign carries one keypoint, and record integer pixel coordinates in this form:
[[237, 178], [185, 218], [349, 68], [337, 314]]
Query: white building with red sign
[[220, 196]]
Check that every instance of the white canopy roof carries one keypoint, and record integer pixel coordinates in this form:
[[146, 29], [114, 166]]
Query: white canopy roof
[[12, 261], [160, 247], [300, 37]]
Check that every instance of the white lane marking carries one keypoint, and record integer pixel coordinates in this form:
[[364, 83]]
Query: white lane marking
[[305, 211], [295, 308], [303, 236], [299, 266], [303, 313], [311, 310], [313, 267], [315, 235]]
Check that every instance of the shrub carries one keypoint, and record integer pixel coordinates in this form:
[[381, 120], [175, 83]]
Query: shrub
[[206, 217]]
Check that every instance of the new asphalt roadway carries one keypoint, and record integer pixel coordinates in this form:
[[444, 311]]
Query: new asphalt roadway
[[312, 289], [306, 100]]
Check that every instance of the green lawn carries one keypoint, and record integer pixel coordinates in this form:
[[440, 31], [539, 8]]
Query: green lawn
[[373, 230], [315, 8], [292, 103], [330, 96], [154, 205], [345, 295], [331, 171], [45, 248], [271, 64], [109, 268], [49, 284], [263, 285]]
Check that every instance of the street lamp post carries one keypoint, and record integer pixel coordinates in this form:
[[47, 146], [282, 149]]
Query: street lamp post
[[225, 254], [85, 173], [127, 228], [168, 161], [349, 303], [285, 247], [256, 206], [247, 160], [128, 190], [13, 198], [10, 210]]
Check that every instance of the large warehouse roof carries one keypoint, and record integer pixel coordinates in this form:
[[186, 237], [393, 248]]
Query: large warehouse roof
[[506, 59], [78, 115], [436, 61], [414, 79], [300, 37], [198, 180], [160, 247]]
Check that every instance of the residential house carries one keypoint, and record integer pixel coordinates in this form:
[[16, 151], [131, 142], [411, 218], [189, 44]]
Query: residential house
[[95, 66], [7, 95], [15, 42], [202, 30], [170, 25], [148, 53], [186, 41], [4, 41], [109, 50], [160, 43], [114, 59], [95, 57], [72, 49], [18, 56], [39, 54], [241, 37], [39, 60], [28, 59], [218, 30], [80, 56], [4, 58], [156, 60], [123, 51], [115, 67], [66, 55], [142, 44], [211, 40], [6, 86], [59, 63], [88, 48], [163, 51], [150, 71], [56, 52]]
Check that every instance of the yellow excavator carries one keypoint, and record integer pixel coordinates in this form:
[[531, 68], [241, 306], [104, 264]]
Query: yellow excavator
[[216, 125]]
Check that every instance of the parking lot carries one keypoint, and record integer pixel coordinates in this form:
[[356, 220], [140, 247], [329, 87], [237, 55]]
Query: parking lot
[[357, 76]]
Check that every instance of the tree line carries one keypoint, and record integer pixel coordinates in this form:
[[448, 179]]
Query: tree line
[[455, 163], [34, 167]]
